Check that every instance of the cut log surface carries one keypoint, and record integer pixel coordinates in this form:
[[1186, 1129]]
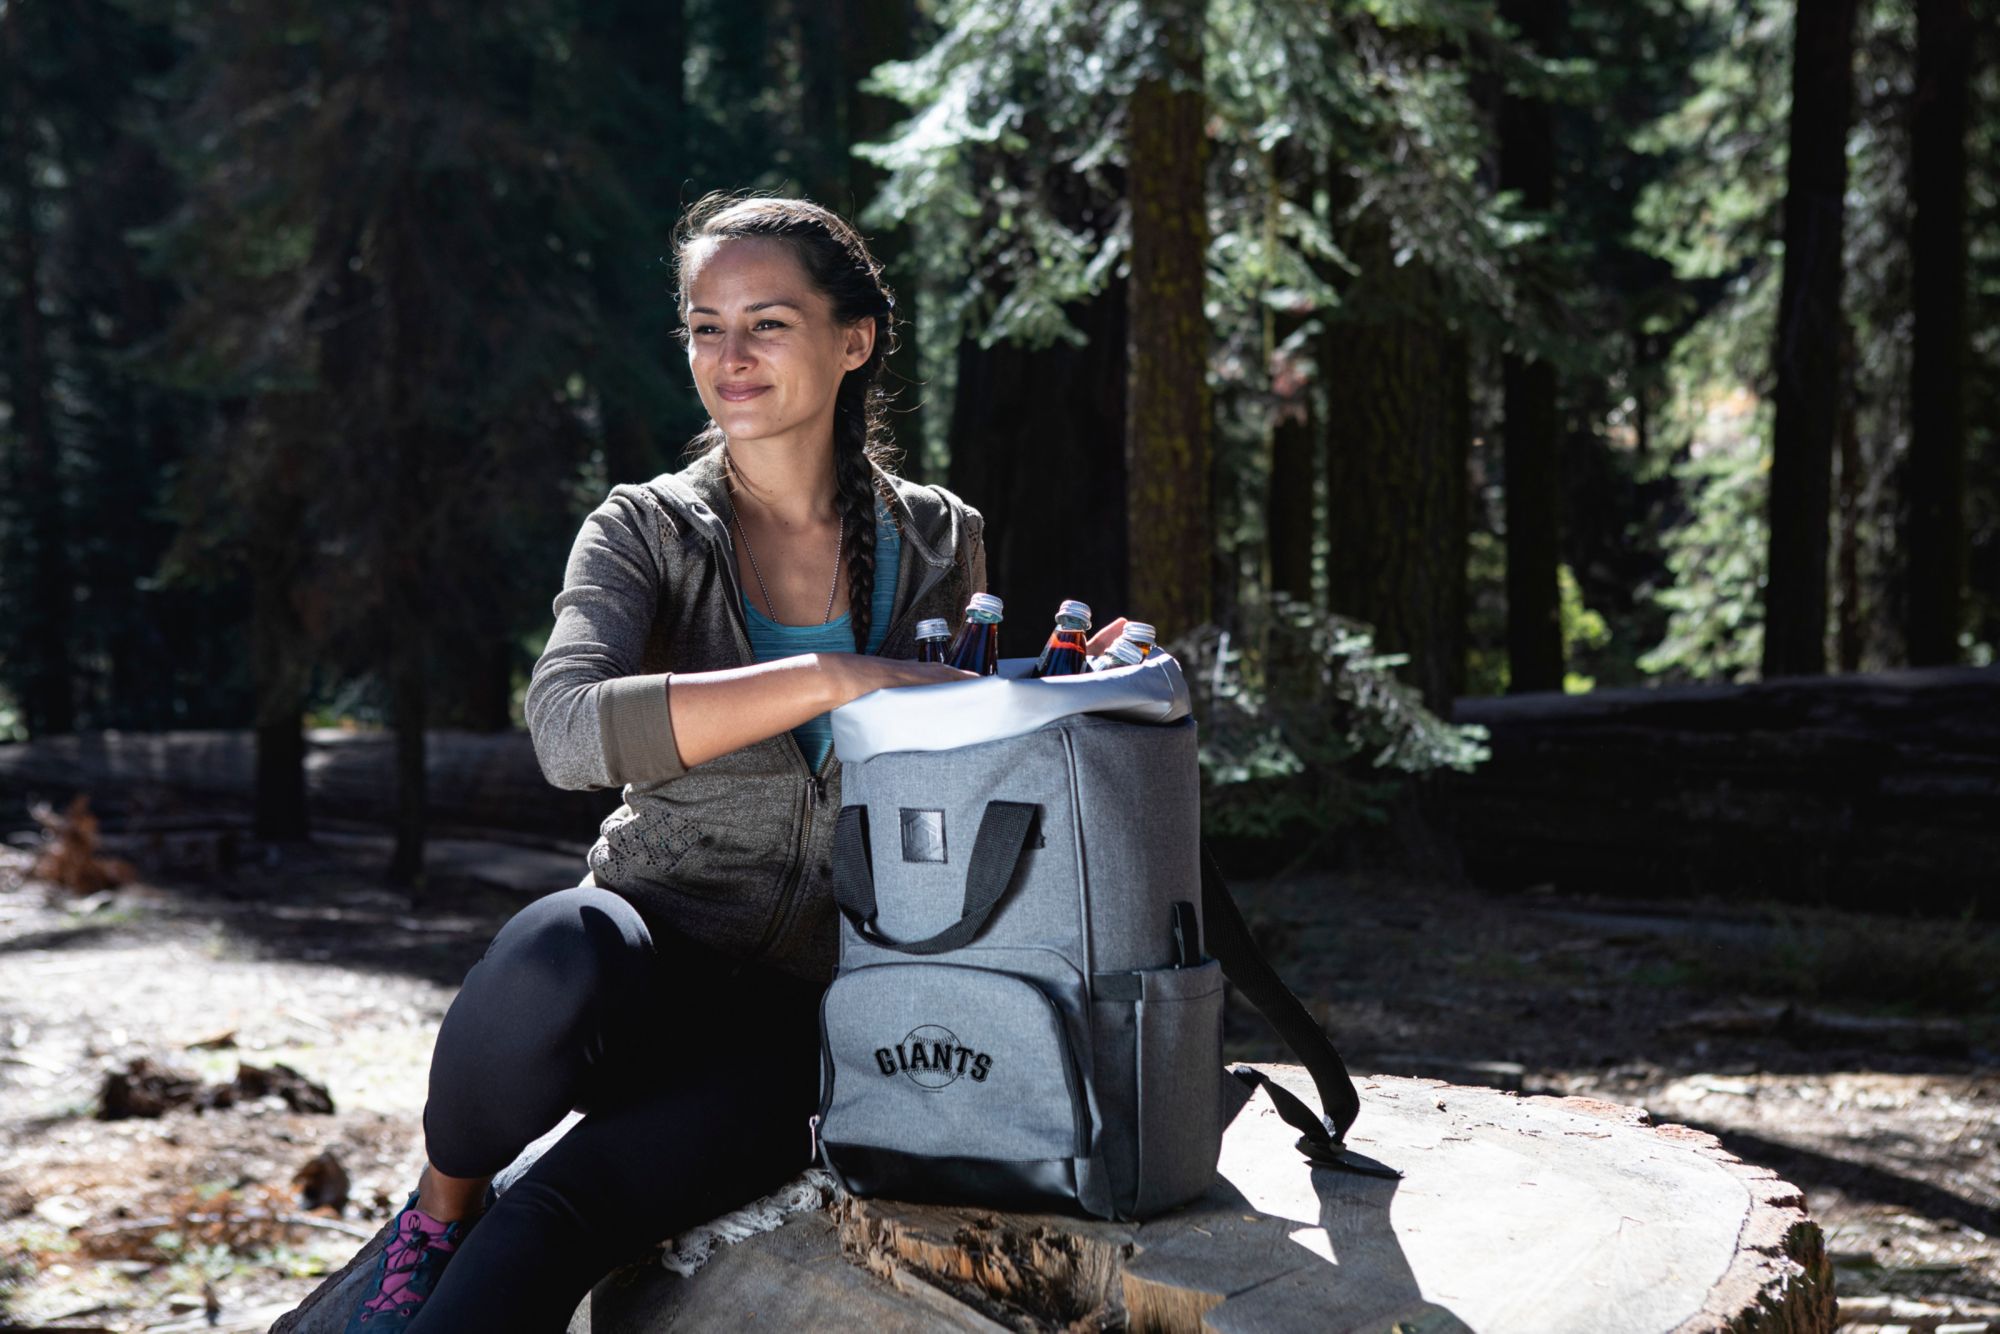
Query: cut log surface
[[1514, 1214]]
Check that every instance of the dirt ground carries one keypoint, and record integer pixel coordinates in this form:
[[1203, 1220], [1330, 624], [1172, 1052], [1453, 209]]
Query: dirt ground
[[1854, 1055]]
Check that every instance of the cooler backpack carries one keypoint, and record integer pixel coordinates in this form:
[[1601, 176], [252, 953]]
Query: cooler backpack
[[1027, 1012]]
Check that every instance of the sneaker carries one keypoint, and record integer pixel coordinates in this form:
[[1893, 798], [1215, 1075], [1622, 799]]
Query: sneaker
[[407, 1271]]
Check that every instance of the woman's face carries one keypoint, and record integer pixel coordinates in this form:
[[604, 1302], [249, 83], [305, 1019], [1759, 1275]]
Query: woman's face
[[765, 350]]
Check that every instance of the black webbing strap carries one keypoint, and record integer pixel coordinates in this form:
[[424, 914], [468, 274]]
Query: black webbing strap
[[1230, 943], [996, 852]]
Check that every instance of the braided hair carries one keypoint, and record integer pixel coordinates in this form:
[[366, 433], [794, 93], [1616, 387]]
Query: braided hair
[[838, 263]]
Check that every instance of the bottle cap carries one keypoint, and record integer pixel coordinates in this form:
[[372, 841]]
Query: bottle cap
[[1127, 654], [988, 603], [1074, 609], [934, 628], [1139, 632]]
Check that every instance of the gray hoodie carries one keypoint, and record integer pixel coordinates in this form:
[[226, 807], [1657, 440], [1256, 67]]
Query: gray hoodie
[[734, 852]]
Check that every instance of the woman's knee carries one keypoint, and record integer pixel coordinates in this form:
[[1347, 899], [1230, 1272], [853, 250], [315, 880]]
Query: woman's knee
[[549, 980], [570, 936]]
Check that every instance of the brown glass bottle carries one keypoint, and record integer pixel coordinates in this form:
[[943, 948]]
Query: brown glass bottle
[[933, 639], [1066, 653], [977, 647]]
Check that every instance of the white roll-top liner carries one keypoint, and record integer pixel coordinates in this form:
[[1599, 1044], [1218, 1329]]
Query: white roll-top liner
[[1014, 703]]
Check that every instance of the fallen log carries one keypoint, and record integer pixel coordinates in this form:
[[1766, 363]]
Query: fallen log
[[474, 780], [1873, 791]]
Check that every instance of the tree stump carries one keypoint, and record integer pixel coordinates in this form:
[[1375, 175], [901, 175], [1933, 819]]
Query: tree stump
[[1514, 1214]]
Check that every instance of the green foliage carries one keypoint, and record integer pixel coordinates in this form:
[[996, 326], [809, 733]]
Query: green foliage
[[1304, 726], [1717, 556], [1010, 162], [12, 726], [1583, 629], [1716, 218]]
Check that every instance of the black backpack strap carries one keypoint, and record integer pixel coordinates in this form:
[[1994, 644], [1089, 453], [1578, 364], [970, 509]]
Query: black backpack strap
[[996, 853], [1320, 1137]]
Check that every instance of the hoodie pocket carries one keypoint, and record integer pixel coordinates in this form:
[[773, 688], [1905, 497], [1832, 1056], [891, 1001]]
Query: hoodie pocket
[[648, 844]]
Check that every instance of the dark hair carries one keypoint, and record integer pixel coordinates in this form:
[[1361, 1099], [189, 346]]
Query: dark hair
[[838, 263]]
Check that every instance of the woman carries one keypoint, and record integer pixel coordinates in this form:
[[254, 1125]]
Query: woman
[[708, 621]]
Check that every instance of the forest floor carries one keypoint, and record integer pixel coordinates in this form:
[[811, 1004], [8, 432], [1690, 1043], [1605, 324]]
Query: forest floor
[[1854, 1055]]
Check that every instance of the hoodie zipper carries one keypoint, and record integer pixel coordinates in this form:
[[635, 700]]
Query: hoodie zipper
[[795, 875]]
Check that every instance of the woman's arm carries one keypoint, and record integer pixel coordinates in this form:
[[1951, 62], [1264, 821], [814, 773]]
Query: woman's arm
[[597, 721], [717, 712]]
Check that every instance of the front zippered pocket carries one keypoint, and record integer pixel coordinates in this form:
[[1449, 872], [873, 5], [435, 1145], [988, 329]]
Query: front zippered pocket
[[941, 1062]]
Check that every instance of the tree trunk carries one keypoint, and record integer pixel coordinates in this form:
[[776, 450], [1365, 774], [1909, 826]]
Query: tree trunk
[[1807, 356], [1291, 499], [405, 568], [1290, 505], [1934, 520], [1168, 444], [1848, 627], [645, 44], [1396, 460], [46, 698], [878, 31], [281, 672], [1047, 542], [822, 39], [1530, 428]]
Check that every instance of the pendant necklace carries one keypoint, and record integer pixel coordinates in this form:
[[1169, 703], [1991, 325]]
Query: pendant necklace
[[839, 544]]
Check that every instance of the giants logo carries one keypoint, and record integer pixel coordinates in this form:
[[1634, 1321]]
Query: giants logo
[[933, 1057]]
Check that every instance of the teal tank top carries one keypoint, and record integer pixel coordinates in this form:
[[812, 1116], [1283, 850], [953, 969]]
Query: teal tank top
[[770, 640]]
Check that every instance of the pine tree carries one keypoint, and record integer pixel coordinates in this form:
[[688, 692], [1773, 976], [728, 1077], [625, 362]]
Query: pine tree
[[1934, 503], [1806, 355], [1168, 447], [1531, 429]]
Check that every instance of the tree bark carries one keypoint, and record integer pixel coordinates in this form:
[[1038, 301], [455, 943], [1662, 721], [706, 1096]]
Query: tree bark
[[1396, 458], [1531, 431], [46, 700], [404, 567], [280, 670], [1047, 542], [1290, 506], [878, 31], [1168, 442], [1934, 518], [644, 42], [1807, 356]]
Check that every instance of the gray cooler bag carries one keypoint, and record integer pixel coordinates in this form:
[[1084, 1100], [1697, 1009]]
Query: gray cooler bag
[[1024, 1016]]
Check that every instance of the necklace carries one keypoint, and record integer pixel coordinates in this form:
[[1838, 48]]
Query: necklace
[[839, 545]]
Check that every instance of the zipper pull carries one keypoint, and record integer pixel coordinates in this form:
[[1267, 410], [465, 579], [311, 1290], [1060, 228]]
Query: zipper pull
[[812, 1129], [817, 785]]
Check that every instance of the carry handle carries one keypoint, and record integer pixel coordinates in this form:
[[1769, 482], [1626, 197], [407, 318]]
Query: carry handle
[[996, 853]]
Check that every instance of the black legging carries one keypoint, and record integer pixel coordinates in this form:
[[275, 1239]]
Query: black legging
[[698, 1076]]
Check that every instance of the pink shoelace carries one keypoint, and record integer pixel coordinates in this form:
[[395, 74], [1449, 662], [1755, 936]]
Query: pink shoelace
[[418, 1233]]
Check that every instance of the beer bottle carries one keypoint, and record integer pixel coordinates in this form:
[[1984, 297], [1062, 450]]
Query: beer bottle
[[1142, 635], [1064, 654], [933, 636], [977, 647], [1124, 653]]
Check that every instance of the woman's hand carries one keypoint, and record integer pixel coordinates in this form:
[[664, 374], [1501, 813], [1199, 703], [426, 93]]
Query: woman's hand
[[851, 675], [1102, 641]]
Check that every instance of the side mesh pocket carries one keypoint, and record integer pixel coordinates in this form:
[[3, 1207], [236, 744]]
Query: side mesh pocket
[[1159, 1042]]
